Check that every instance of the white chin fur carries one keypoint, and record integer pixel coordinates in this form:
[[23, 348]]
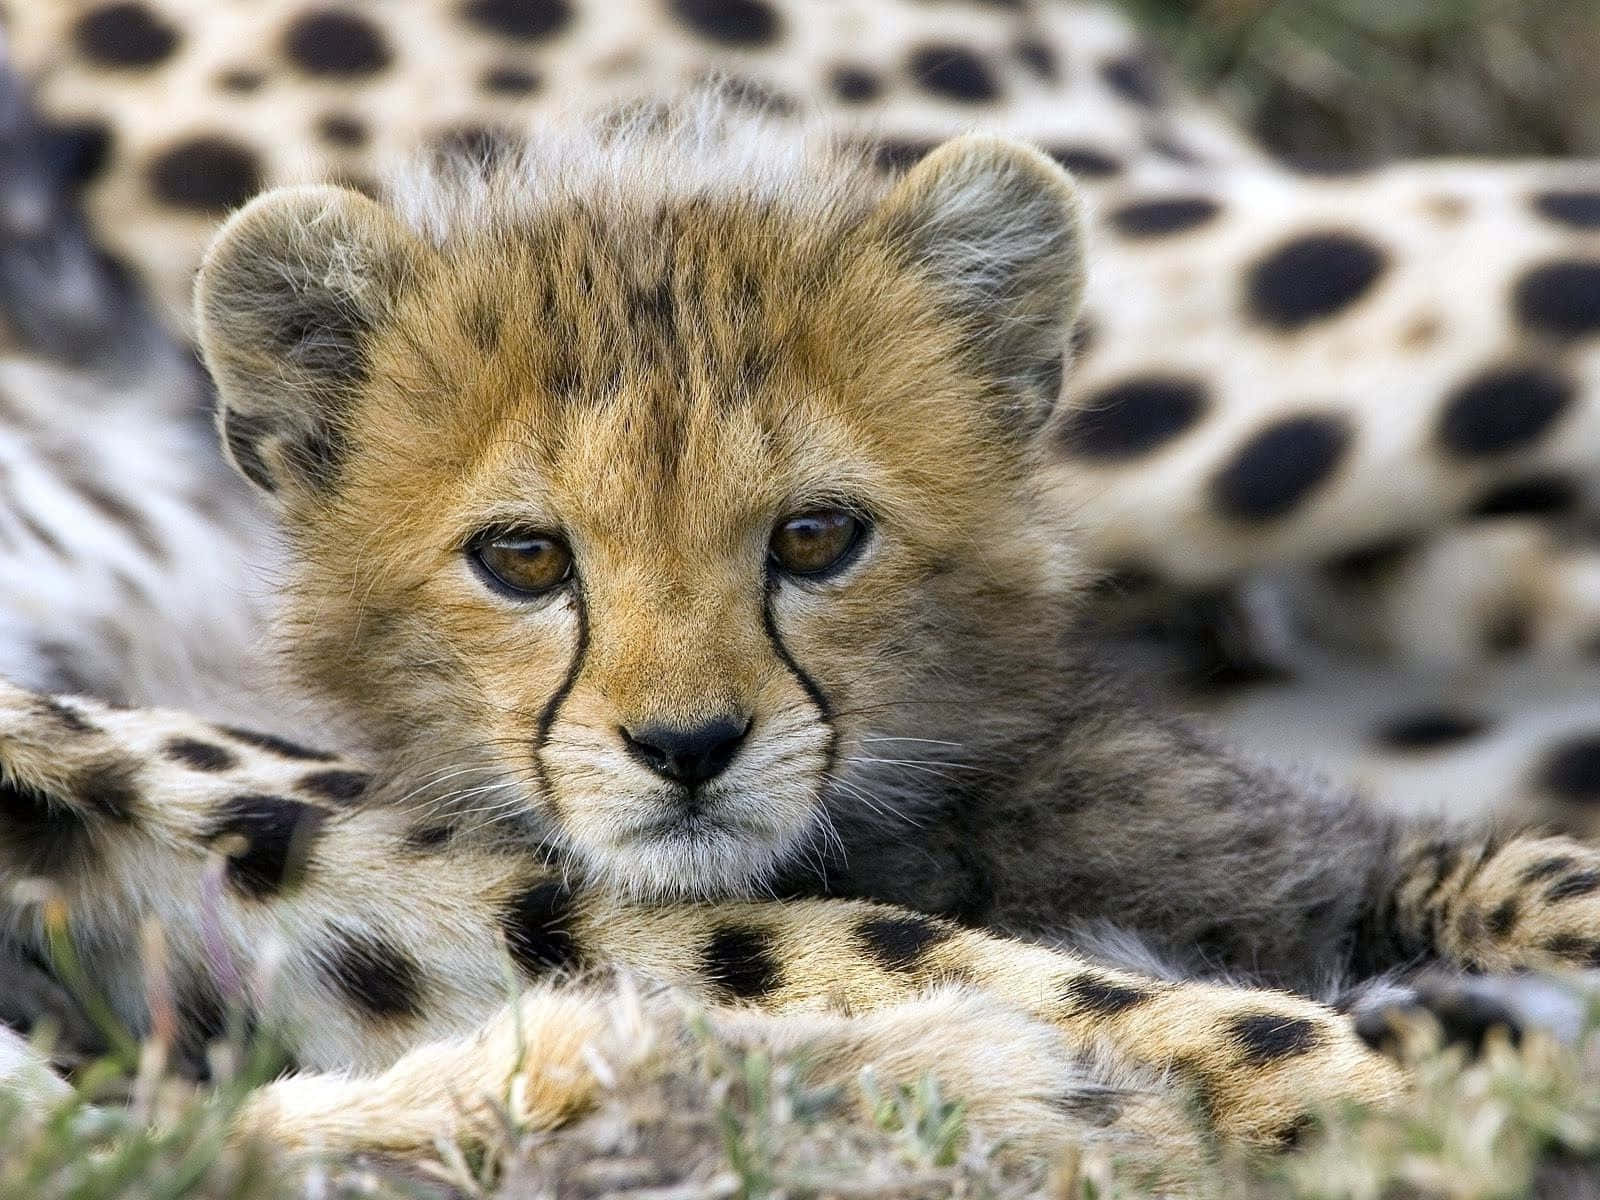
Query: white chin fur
[[708, 864]]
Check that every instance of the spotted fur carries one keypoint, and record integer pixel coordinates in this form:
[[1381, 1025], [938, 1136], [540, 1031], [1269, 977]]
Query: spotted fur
[[342, 331]]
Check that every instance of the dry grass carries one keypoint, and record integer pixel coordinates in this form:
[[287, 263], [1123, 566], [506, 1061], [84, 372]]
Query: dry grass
[[1345, 82], [724, 1122]]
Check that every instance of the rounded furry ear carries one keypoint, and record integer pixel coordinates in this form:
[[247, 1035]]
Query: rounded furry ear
[[286, 300], [997, 226]]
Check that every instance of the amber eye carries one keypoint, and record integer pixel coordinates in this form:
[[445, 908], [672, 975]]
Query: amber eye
[[818, 542], [524, 564]]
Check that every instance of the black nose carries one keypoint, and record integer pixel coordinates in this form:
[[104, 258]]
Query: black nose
[[688, 756]]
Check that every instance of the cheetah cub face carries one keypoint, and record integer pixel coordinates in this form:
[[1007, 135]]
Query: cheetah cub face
[[651, 489]]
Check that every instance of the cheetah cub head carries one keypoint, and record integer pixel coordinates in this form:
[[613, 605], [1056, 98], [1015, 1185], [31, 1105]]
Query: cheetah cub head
[[673, 493]]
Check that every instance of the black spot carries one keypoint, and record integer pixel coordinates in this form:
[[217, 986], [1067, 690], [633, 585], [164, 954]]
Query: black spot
[[1506, 408], [1429, 729], [202, 756], [899, 942], [1571, 770], [1268, 1037], [427, 838], [124, 35], [82, 149], [64, 715], [340, 786], [1085, 161], [1310, 278], [1575, 949], [1369, 562], [335, 43], [1134, 77], [282, 747], [854, 85], [1176, 151], [1579, 883], [1504, 918], [1581, 210], [204, 174], [1037, 56], [1508, 630], [653, 307], [109, 789], [1159, 218], [1561, 299], [341, 129], [526, 20], [900, 154], [539, 928], [739, 960], [1543, 495], [1279, 466], [478, 143], [278, 834], [1103, 997], [240, 80], [40, 834], [372, 972], [731, 22], [953, 72], [1131, 418], [1547, 869], [510, 81]]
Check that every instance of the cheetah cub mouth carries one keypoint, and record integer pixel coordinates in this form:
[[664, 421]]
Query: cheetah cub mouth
[[671, 491]]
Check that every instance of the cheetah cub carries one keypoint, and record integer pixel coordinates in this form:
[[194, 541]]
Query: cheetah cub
[[665, 516]]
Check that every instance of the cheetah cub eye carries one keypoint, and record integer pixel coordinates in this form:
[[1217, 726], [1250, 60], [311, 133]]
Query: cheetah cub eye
[[524, 566], [819, 543]]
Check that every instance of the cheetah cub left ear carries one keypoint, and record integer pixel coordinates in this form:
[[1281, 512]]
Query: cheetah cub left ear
[[997, 228], [286, 298]]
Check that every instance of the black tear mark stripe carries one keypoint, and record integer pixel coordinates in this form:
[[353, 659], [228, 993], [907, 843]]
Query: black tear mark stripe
[[277, 835], [371, 971], [901, 942], [552, 708], [1095, 995], [271, 742], [808, 685], [739, 961], [1265, 1038], [540, 927]]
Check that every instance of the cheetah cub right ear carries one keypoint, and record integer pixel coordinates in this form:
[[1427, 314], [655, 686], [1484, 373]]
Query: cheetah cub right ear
[[288, 294], [997, 227]]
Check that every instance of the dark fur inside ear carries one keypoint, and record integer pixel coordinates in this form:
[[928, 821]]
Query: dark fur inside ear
[[286, 302], [997, 226]]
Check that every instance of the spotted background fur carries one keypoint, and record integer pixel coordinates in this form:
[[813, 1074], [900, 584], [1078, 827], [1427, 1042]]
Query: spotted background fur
[[1279, 378], [1286, 384]]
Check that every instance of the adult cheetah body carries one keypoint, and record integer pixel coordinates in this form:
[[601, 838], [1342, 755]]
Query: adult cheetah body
[[292, 845]]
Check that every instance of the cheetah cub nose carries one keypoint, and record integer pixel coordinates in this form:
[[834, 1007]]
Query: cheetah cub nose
[[687, 756]]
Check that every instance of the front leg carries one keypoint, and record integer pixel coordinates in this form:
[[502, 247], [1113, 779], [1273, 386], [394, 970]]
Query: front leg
[[361, 931], [1488, 904]]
